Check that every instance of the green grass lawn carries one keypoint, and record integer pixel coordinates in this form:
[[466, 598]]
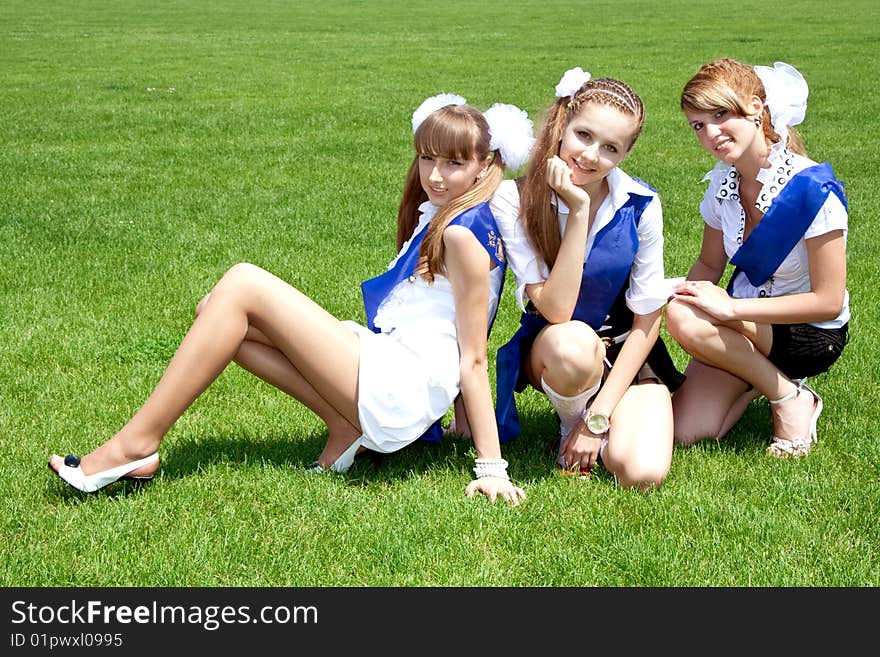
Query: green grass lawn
[[148, 146]]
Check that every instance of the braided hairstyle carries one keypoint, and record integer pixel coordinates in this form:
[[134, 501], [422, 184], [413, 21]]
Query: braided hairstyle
[[539, 217]]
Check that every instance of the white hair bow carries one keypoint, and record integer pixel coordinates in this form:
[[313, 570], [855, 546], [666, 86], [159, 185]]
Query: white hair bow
[[431, 105], [572, 80], [511, 134], [787, 94], [510, 129]]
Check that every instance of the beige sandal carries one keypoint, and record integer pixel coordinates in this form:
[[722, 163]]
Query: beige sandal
[[794, 447]]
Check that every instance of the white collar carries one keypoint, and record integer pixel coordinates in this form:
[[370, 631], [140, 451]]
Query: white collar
[[773, 178], [620, 186], [427, 211], [776, 176]]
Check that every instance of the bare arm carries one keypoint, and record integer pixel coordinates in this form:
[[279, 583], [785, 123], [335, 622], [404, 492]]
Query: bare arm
[[635, 350], [467, 268], [827, 258], [556, 297], [710, 264]]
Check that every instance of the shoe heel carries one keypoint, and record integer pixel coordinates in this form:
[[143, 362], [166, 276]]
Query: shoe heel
[[138, 480], [814, 419]]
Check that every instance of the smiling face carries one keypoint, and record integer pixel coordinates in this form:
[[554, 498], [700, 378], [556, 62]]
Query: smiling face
[[452, 152], [444, 179], [728, 136], [595, 141], [722, 102]]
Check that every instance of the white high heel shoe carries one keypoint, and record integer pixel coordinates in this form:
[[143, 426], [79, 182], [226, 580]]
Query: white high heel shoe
[[340, 465], [72, 473], [783, 447]]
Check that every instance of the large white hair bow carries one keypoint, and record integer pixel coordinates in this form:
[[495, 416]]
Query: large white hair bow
[[511, 133], [431, 105], [572, 80], [786, 95]]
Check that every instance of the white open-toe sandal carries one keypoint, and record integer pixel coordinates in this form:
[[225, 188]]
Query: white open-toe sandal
[[72, 473], [783, 447]]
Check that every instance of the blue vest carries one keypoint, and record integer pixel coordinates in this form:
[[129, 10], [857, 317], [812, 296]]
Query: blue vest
[[481, 222], [606, 273], [785, 223]]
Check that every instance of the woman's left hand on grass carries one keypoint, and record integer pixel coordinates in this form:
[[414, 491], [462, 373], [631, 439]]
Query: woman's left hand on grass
[[492, 487]]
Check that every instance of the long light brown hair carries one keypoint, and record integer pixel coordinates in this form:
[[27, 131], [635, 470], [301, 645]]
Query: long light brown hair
[[540, 218], [727, 84], [455, 132]]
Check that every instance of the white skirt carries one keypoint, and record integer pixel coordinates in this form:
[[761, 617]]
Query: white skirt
[[406, 382]]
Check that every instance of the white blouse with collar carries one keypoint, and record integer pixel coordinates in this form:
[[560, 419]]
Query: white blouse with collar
[[647, 289], [721, 210]]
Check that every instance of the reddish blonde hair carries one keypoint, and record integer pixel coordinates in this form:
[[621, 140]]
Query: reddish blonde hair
[[726, 84]]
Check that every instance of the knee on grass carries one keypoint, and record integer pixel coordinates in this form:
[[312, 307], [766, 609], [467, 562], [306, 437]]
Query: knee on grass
[[644, 476]]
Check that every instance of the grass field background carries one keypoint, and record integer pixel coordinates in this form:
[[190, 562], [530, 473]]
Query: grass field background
[[148, 146]]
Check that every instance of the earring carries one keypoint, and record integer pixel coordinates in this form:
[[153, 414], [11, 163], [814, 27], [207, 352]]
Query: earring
[[758, 121]]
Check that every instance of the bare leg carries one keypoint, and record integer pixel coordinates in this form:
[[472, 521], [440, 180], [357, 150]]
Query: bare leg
[[565, 362], [568, 357], [739, 349], [259, 356], [272, 366], [736, 411], [639, 450], [708, 403], [317, 345]]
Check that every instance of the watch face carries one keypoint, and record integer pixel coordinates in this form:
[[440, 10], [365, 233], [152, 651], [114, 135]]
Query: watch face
[[597, 423]]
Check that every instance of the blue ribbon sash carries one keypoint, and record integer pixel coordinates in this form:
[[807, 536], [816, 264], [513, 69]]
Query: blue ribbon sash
[[481, 222], [785, 222]]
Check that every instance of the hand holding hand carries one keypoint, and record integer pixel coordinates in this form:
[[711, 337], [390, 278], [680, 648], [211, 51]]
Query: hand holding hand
[[492, 487]]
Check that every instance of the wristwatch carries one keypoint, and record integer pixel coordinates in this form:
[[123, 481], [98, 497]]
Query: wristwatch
[[598, 423]]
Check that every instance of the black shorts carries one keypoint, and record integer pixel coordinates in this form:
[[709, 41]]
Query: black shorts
[[801, 350]]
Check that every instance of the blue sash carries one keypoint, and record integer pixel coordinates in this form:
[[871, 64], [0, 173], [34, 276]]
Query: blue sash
[[478, 219], [606, 273], [785, 223], [481, 222]]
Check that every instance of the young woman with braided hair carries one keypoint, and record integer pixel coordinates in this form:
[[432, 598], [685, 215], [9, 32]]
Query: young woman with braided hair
[[585, 244]]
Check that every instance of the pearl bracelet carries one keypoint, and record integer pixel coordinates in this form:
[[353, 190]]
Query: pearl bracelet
[[491, 468]]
